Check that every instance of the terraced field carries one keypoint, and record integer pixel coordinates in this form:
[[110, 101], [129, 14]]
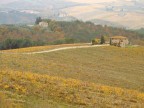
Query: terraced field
[[84, 77]]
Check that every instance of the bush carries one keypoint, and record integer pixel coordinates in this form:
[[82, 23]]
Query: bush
[[22, 43], [95, 41], [15, 43], [69, 41], [57, 42], [64, 41]]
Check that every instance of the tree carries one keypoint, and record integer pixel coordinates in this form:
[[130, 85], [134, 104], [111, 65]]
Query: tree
[[53, 26], [69, 41], [110, 41], [38, 20], [102, 40]]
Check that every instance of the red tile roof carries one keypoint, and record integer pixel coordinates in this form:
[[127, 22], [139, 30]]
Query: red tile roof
[[118, 37]]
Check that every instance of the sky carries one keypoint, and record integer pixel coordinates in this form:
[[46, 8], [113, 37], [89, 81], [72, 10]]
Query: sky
[[91, 1], [80, 1], [6, 1]]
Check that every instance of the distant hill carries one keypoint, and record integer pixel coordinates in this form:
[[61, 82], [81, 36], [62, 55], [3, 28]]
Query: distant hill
[[128, 13], [115, 13], [23, 11], [141, 31], [39, 4], [108, 23], [16, 17]]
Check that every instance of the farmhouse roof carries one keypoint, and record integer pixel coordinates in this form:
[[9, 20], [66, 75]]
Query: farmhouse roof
[[118, 37], [43, 22]]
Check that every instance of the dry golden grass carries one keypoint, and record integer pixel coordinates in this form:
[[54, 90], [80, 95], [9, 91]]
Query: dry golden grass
[[68, 91], [87, 77], [120, 67], [6, 102]]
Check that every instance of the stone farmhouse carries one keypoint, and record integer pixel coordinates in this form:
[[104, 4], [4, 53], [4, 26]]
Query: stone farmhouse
[[43, 24], [119, 41]]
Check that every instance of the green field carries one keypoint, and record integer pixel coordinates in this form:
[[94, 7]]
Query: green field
[[108, 66]]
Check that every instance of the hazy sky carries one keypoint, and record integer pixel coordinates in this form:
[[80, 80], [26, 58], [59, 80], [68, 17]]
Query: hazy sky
[[81, 1], [91, 1], [6, 1]]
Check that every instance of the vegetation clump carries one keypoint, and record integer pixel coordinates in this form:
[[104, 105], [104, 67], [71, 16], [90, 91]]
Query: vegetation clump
[[102, 40], [16, 43], [95, 41]]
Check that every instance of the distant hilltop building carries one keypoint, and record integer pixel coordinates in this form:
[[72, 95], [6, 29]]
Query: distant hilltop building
[[119, 41], [30, 25], [43, 24]]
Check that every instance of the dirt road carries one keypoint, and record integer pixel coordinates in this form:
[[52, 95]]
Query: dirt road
[[58, 49]]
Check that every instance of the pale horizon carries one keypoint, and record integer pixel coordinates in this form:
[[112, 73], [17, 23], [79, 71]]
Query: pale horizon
[[79, 1]]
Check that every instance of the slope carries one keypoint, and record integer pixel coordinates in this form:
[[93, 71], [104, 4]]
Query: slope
[[104, 65], [44, 91]]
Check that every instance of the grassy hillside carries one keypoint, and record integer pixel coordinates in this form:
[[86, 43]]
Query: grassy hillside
[[35, 90], [104, 65], [86, 77]]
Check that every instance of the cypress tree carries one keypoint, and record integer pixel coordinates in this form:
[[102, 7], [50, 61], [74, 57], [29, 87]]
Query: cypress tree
[[102, 40]]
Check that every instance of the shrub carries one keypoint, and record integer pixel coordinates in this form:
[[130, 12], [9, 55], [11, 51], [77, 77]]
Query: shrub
[[15, 43], [95, 41], [69, 40]]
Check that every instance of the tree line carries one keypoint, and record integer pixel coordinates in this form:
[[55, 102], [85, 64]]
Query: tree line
[[60, 32]]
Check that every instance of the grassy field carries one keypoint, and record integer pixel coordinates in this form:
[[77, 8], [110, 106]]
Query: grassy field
[[29, 90], [98, 76]]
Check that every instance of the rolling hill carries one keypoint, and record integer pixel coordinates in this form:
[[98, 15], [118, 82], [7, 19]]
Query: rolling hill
[[105, 65], [126, 13], [67, 71], [16, 17], [83, 77], [25, 12]]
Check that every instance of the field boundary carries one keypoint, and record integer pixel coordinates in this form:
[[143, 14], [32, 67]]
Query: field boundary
[[57, 49]]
